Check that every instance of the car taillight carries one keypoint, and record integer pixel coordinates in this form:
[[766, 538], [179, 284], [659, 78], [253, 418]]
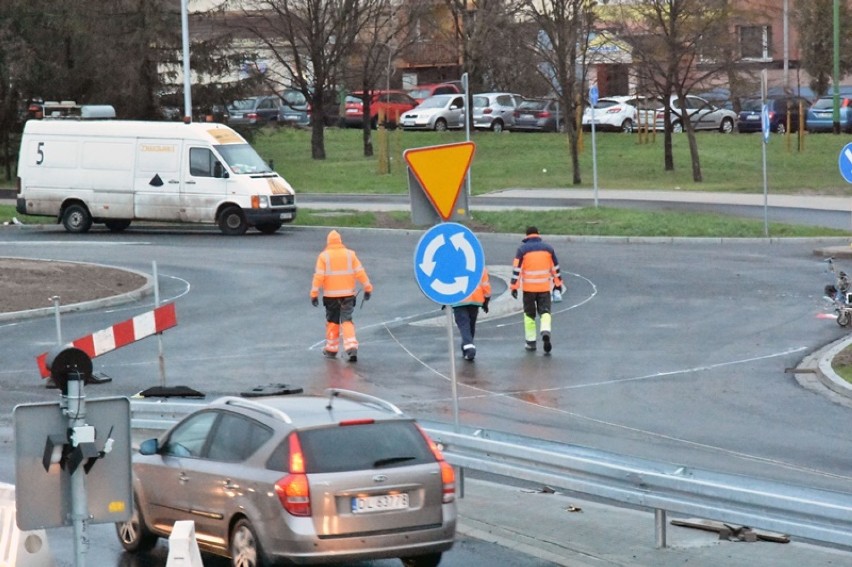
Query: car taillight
[[365, 421], [252, 115], [293, 490], [614, 110], [487, 111], [542, 114], [448, 475]]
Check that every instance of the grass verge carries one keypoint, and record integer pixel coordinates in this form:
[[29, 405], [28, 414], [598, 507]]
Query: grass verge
[[842, 364]]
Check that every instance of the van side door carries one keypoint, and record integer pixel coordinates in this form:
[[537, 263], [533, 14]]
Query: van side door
[[157, 179], [205, 184]]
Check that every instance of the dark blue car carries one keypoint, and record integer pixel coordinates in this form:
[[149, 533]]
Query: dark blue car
[[784, 114]]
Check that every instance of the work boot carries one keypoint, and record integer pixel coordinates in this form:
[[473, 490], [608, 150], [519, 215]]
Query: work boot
[[328, 353], [530, 345], [470, 353], [352, 354], [545, 338]]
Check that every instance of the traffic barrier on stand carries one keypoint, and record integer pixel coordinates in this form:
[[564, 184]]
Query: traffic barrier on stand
[[19, 548], [183, 548], [120, 334]]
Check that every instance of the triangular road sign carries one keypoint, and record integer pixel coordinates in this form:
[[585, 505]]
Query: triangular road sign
[[441, 170]]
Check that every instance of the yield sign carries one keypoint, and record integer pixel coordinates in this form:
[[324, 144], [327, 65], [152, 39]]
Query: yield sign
[[441, 170]]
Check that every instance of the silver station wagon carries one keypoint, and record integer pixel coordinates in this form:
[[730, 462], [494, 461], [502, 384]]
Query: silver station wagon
[[297, 479]]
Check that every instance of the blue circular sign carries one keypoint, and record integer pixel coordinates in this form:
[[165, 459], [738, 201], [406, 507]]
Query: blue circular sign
[[845, 162], [448, 263]]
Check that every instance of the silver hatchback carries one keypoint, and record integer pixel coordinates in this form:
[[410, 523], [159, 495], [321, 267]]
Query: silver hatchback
[[495, 111], [296, 479]]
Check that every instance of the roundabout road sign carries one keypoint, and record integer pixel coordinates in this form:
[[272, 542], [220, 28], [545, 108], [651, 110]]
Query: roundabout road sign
[[845, 162], [448, 263]]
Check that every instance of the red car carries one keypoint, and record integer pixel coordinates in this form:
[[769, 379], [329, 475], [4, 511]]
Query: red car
[[393, 102], [422, 92]]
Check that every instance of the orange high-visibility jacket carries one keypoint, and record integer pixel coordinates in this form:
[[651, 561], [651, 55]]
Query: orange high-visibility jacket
[[483, 290], [337, 270], [535, 265]]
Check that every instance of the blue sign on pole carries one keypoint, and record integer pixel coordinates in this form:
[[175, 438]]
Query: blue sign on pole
[[845, 162], [593, 94], [764, 123], [448, 263]]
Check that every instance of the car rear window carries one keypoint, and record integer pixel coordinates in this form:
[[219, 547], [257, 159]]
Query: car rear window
[[823, 103], [532, 105], [341, 448], [752, 105]]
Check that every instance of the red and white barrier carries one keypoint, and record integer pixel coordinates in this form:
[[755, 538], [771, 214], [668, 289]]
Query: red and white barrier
[[120, 334]]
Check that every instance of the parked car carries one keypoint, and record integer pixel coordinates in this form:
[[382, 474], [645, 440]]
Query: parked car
[[495, 111], [616, 113], [439, 112], [537, 115], [820, 117], [393, 103], [299, 479], [294, 109], [422, 92], [780, 108], [703, 114], [254, 111]]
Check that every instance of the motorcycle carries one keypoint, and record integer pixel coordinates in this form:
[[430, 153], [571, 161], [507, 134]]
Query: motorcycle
[[840, 294]]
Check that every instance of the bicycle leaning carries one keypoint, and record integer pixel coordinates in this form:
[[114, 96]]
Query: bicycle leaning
[[840, 294]]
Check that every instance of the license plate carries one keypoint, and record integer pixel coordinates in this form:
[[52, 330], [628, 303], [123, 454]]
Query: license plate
[[752, 117], [367, 504], [285, 216], [527, 116]]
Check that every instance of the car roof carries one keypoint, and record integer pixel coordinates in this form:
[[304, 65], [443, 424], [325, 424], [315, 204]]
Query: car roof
[[305, 411]]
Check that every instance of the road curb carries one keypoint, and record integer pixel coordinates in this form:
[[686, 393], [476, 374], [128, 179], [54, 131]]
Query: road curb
[[134, 295]]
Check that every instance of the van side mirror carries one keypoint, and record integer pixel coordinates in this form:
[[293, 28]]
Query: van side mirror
[[219, 171]]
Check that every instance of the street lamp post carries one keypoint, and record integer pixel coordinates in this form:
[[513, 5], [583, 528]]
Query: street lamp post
[[836, 71], [187, 80]]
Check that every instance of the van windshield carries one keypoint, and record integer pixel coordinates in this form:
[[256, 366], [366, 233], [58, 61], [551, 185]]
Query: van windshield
[[242, 158]]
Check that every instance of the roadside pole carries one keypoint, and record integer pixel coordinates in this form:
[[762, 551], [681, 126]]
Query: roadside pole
[[593, 101]]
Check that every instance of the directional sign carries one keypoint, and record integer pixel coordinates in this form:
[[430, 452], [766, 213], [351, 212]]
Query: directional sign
[[593, 94], [441, 170], [448, 263], [764, 123], [845, 162]]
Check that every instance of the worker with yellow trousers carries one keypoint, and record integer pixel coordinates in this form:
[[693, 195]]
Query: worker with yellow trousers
[[337, 273], [535, 269]]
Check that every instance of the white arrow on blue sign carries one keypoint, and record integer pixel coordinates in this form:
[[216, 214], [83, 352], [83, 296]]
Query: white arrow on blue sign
[[593, 94], [448, 263], [844, 161], [764, 122]]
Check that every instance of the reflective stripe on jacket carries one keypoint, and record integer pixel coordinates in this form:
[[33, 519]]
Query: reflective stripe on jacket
[[337, 270], [535, 265]]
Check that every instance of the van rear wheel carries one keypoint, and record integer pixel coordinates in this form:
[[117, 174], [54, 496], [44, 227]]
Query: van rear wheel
[[76, 219], [232, 222], [117, 225]]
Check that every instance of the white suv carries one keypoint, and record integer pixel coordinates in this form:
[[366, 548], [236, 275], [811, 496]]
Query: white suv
[[495, 111], [617, 113]]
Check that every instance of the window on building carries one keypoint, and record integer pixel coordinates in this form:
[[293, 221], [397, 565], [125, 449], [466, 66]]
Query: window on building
[[756, 42]]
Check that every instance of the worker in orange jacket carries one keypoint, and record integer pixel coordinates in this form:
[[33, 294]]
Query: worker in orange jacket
[[466, 312], [337, 273], [536, 269]]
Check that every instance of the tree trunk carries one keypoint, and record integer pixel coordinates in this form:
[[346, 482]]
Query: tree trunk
[[318, 136]]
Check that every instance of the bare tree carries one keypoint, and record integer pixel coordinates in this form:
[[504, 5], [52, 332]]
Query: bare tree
[[559, 36], [677, 45], [386, 33], [310, 40]]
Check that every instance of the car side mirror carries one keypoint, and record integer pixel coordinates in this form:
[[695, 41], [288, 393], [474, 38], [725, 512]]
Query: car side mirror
[[149, 447], [219, 171]]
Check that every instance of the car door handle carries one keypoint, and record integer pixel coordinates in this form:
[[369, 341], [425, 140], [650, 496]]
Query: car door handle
[[183, 478], [230, 485], [174, 181], [190, 183]]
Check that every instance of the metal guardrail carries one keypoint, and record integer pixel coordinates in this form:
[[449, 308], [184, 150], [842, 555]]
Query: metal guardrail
[[798, 511]]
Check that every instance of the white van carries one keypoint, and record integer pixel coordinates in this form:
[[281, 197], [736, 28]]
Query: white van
[[114, 172]]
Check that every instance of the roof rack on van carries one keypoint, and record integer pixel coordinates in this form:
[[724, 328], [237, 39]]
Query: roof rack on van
[[256, 406], [70, 109], [359, 397]]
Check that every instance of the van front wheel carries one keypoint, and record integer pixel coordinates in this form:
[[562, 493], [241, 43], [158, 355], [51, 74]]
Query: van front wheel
[[269, 227], [76, 219], [232, 222]]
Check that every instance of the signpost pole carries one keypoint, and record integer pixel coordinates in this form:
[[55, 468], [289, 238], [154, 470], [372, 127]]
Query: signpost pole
[[76, 413], [593, 100], [449, 311], [765, 127]]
